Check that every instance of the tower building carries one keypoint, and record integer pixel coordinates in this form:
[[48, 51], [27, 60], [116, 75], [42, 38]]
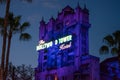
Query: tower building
[[64, 47]]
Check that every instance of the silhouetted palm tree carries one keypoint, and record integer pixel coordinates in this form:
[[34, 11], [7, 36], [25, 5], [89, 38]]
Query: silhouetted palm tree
[[15, 27], [112, 44], [5, 31], [2, 1]]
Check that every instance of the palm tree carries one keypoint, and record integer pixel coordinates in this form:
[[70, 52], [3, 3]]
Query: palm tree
[[5, 31], [112, 44], [13, 28]]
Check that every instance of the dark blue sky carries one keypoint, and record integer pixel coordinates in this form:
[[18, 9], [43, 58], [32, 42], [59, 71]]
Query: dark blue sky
[[104, 19]]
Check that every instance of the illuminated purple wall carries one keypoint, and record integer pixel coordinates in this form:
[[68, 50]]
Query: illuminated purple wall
[[69, 63]]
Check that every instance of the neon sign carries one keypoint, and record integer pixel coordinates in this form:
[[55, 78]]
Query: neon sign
[[63, 46], [43, 45]]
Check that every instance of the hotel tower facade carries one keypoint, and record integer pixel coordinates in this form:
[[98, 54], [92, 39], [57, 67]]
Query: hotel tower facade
[[64, 47]]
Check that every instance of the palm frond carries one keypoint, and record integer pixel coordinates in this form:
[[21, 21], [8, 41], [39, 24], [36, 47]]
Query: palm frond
[[15, 30], [1, 22], [14, 22], [25, 36], [109, 40], [114, 50], [1, 32], [117, 36], [104, 49], [2, 1], [17, 18], [24, 26], [11, 16], [11, 19], [17, 21]]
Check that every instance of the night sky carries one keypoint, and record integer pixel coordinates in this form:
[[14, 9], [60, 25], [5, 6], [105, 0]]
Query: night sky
[[104, 19]]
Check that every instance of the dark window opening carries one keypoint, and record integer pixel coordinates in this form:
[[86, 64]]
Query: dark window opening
[[45, 57]]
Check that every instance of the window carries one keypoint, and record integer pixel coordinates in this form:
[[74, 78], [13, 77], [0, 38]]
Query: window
[[77, 77], [45, 50], [45, 57], [70, 60], [58, 26], [44, 66], [50, 77], [70, 57], [64, 78]]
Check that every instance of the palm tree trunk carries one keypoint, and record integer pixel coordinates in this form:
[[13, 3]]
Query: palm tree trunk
[[119, 54], [5, 36], [7, 54], [119, 47]]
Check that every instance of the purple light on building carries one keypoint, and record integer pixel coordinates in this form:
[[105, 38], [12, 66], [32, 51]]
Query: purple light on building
[[64, 47]]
